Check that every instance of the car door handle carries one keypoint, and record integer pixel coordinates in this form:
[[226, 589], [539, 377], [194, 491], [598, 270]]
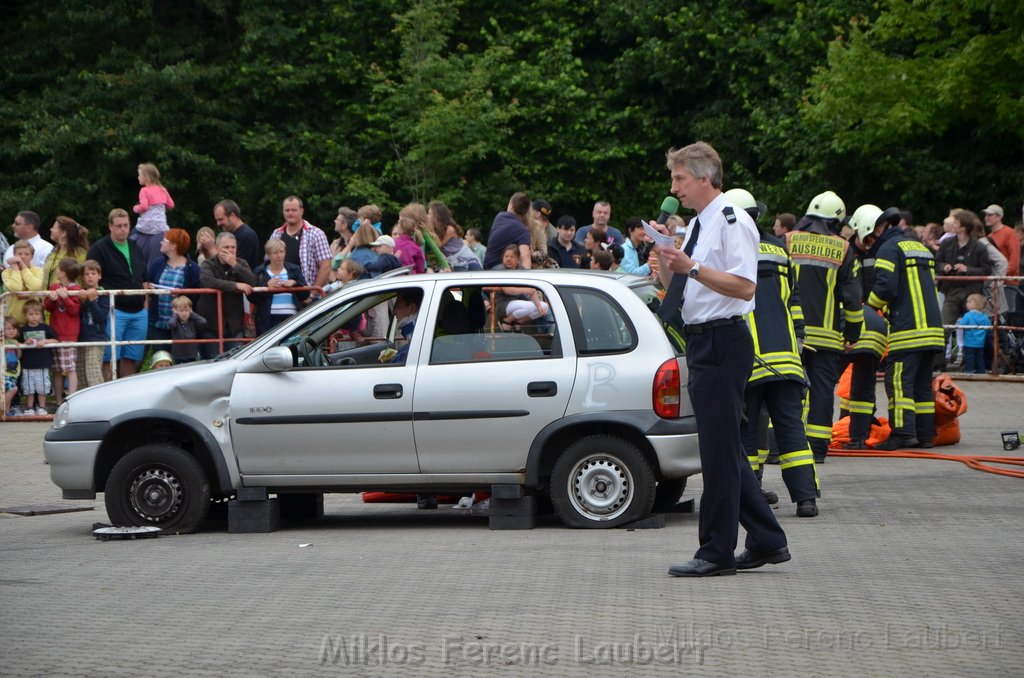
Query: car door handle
[[542, 389], [387, 391]]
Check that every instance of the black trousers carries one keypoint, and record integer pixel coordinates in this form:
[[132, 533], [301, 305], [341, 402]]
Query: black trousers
[[861, 403], [719, 362], [908, 383], [822, 368], [783, 399]]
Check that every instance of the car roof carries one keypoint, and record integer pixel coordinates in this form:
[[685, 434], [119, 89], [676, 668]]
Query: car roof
[[553, 275]]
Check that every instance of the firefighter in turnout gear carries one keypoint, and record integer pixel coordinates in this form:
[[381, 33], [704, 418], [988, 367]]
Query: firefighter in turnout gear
[[777, 380], [830, 297], [867, 222], [905, 288]]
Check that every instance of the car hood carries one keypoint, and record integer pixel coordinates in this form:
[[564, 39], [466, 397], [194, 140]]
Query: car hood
[[179, 388]]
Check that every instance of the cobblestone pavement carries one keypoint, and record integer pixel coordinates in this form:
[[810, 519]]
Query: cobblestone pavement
[[911, 569]]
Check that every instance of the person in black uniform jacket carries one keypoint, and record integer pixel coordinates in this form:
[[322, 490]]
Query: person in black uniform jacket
[[777, 382], [905, 288], [868, 222], [830, 297], [718, 266]]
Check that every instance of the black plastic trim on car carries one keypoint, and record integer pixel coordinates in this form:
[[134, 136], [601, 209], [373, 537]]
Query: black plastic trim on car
[[331, 418], [216, 453], [373, 417], [646, 422], [674, 427], [469, 414], [79, 431]]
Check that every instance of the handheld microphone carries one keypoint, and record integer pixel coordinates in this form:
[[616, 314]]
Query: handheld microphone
[[669, 206]]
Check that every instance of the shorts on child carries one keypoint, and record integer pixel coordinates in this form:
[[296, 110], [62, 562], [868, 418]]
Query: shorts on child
[[130, 327], [10, 383], [64, 359], [91, 360], [35, 382]]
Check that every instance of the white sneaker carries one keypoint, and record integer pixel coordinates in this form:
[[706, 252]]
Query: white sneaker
[[41, 412]]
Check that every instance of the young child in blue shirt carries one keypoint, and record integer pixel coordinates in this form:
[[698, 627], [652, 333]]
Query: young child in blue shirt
[[974, 339]]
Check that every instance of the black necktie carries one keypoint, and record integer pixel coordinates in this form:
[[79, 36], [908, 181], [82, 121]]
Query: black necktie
[[674, 294]]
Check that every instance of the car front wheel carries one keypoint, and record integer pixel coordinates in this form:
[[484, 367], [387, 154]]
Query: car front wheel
[[602, 481], [158, 485]]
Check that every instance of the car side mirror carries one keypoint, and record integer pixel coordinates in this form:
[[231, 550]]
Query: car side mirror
[[278, 359]]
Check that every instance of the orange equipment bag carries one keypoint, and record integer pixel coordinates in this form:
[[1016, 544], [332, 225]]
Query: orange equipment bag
[[843, 388], [841, 432], [950, 403]]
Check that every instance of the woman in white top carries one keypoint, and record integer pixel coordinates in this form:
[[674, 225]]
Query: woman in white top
[[274, 280]]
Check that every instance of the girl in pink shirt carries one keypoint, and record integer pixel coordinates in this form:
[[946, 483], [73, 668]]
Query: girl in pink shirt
[[154, 201]]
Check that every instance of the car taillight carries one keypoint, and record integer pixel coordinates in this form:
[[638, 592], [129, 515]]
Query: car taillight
[[666, 392]]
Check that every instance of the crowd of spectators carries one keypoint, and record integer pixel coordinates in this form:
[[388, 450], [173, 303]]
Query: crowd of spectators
[[260, 286]]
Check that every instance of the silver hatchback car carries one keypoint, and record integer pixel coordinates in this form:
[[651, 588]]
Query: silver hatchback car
[[585, 404]]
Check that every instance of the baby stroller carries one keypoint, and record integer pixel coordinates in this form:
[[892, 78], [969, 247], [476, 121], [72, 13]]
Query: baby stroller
[[1011, 342]]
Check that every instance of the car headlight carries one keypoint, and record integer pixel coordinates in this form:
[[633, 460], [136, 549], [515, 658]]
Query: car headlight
[[62, 415]]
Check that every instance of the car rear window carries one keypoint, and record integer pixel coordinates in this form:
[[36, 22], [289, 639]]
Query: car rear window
[[651, 295], [599, 323]]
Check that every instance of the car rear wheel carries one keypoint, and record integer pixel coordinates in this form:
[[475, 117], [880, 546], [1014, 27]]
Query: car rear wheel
[[158, 485], [601, 481]]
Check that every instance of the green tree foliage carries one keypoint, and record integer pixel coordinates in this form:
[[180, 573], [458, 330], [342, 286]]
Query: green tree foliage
[[894, 102], [929, 97]]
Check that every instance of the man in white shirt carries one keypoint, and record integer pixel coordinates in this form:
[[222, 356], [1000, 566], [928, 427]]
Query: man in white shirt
[[719, 262], [26, 227]]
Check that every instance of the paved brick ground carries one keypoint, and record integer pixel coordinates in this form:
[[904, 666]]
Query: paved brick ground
[[910, 570]]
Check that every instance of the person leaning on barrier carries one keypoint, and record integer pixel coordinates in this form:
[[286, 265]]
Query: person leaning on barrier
[[124, 268], [173, 269], [233, 277], [715, 275], [960, 255], [278, 303]]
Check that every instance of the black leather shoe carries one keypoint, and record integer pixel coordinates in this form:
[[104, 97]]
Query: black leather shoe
[[856, 445], [748, 560], [426, 501], [807, 508], [897, 443], [819, 458], [770, 497], [700, 568], [924, 444]]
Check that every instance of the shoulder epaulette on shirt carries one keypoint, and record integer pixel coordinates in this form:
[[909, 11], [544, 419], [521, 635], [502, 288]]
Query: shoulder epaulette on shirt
[[730, 214]]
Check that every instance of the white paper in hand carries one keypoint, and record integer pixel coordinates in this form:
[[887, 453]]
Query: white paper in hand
[[657, 236]]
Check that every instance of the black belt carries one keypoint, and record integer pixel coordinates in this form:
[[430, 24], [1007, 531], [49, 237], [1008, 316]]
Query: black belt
[[701, 328]]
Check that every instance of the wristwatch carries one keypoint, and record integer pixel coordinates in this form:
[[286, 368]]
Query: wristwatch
[[695, 271]]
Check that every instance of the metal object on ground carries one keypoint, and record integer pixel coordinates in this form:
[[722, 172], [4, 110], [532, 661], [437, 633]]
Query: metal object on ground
[[1011, 440], [44, 509], [142, 532]]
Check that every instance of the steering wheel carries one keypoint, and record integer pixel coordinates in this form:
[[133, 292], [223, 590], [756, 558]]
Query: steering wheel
[[310, 353]]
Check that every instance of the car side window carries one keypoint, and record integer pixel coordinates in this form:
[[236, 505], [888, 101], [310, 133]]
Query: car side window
[[365, 331], [475, 324], [599, 324]]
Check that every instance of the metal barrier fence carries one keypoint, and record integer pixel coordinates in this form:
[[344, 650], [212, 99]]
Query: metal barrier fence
[[112, 342]]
